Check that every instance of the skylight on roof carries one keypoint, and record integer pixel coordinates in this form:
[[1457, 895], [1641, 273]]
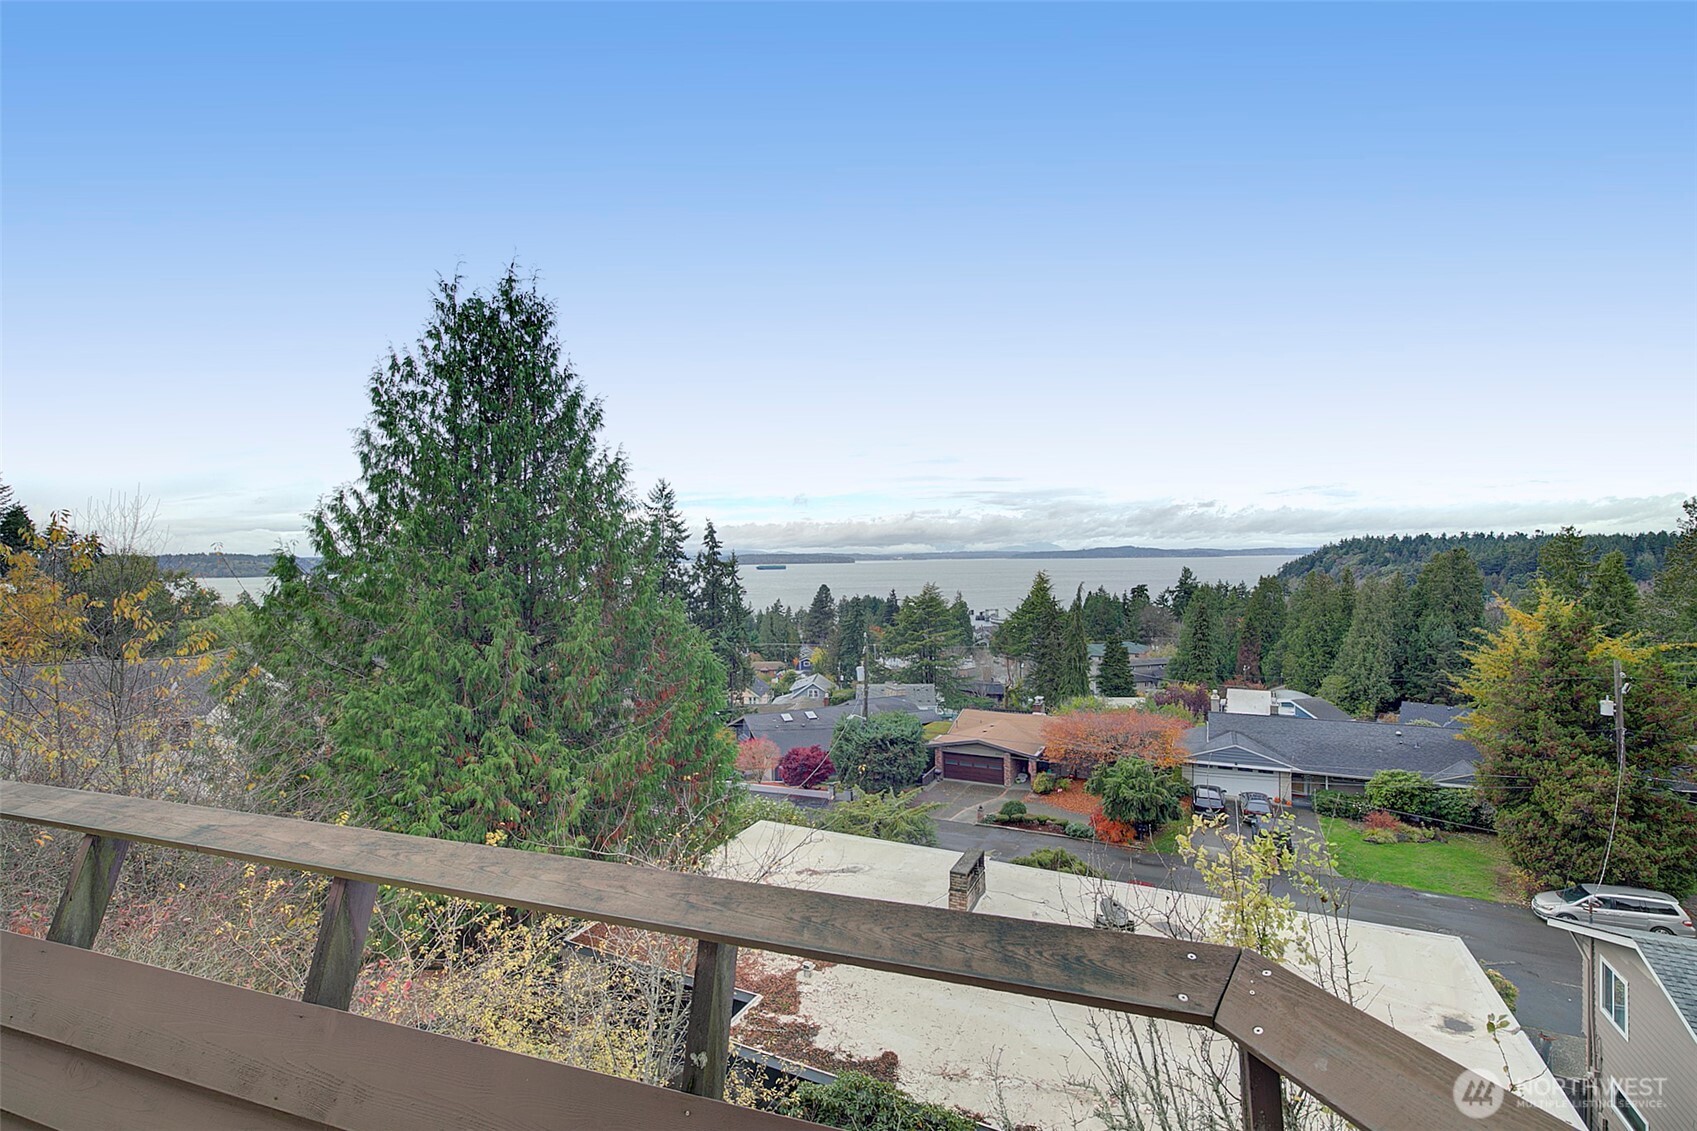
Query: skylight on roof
[[787, 717], [811, 714]]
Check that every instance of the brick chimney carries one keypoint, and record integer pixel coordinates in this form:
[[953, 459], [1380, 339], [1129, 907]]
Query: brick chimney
[[966, 881]]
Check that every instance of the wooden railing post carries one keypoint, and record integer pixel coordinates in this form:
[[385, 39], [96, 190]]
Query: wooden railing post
[[94, 875], [340, 947], [1263, 1093], [707, 1040]]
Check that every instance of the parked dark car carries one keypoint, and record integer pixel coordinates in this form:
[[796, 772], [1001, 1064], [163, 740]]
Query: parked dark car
[[1253, 809], [1208, 801]]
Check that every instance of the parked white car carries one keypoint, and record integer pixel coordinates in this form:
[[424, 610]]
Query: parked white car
[[1606, 905]]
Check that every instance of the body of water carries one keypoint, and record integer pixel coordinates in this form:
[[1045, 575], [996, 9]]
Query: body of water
[[986, 583]]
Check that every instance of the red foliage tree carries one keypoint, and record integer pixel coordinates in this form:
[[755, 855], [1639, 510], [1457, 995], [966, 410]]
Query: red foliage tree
[[806, 767], [1076, 744], [1193, 697], [756, 757]]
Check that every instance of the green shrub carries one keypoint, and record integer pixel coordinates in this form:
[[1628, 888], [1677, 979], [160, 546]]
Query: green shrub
[[856, 1102], [1078, 830], [884, 816], [1507, 990], [1057, 860], [1133, 792], [1012, 810], [1402, 792], [1044, 782], [1460, 809], [1380, 836], [1334, 803]]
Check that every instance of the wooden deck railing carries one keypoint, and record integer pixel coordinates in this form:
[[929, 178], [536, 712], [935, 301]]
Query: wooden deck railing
[[1284, 1026]]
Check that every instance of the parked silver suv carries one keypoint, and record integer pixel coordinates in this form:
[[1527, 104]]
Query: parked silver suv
[[1636, 909]]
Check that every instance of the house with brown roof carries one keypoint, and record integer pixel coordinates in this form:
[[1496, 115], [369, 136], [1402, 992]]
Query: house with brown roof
[[995, 747]]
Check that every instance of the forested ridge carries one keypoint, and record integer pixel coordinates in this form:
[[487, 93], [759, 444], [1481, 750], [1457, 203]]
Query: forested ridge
[[1507, 560]]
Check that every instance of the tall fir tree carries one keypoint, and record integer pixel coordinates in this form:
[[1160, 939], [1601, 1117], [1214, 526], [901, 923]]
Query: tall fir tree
[[1259, 631], [1613, 596], [718, 607], [821, 616], [1073, 675], [1318, 617], [1672, 608], [963, 619], [1034, 633], [1441, 616], [1563, 563], [667, 534], [927, 636], [1361, 679], [485, 648], [1197, 657], [1115, 678]]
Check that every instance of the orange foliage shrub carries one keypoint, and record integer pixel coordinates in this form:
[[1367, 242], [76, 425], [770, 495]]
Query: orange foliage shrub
[[1110, 831], [1379, 819], [1078, 743]]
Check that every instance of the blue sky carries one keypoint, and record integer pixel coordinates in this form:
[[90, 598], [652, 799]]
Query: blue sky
[[878, 276]]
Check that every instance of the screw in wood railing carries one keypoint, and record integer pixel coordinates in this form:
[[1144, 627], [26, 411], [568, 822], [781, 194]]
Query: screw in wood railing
[[1263, 1093], [707, 1039], [94, 875], [337, 954]]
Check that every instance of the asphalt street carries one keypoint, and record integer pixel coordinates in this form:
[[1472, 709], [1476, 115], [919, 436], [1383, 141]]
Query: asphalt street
[[1540, 960]]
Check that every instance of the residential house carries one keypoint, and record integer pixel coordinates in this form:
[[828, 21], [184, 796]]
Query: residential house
[[1291, 757], [1301, 705], [814, 687], [995, 747], [985, 689], [805, 725], [924, 694], [1034, 1062], [1640, 1019], [1148, 673]]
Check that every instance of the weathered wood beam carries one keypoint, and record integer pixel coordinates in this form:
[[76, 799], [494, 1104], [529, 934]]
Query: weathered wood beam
[[337, 955], [707, 1040], [94, 876], [1263, 1093]]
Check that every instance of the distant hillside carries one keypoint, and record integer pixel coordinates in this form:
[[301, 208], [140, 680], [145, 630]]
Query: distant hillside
[[226, 565], [1509, 560]]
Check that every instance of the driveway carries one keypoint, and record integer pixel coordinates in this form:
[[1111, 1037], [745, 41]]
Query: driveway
[[1540, 960], [961, 800]]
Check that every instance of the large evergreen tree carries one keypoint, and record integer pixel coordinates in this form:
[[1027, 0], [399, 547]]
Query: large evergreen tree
[[1440, 618], [926, 635], [821, 616], [1073, 674], [1258, 633], [1318, 617], [1115, 678], [718, 607], [1548, 757], [1672, 611], [1613, 596], [666, 537], [1360, 681], [1035, 633], [1563, 563], [1196, 660], [485, 649]]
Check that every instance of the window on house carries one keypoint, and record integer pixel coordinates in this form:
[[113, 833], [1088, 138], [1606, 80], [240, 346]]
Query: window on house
[[1611, 996], [1623, 1108]]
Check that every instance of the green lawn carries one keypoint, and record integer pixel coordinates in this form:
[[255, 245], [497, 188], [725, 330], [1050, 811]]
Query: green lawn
[[1470, 864]]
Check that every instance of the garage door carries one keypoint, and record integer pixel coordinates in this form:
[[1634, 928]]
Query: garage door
[[1235, 782], [972, 767]]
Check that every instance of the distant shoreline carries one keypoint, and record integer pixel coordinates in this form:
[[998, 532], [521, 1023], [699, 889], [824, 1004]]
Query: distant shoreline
[[257, 565]]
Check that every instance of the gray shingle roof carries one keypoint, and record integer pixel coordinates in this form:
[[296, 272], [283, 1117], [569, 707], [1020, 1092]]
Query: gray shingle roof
[[803, 731], [1434, 713], [1674, 961], [1340, 748]]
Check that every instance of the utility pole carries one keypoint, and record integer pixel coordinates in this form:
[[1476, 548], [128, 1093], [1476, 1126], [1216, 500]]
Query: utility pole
[[1616, 707]]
